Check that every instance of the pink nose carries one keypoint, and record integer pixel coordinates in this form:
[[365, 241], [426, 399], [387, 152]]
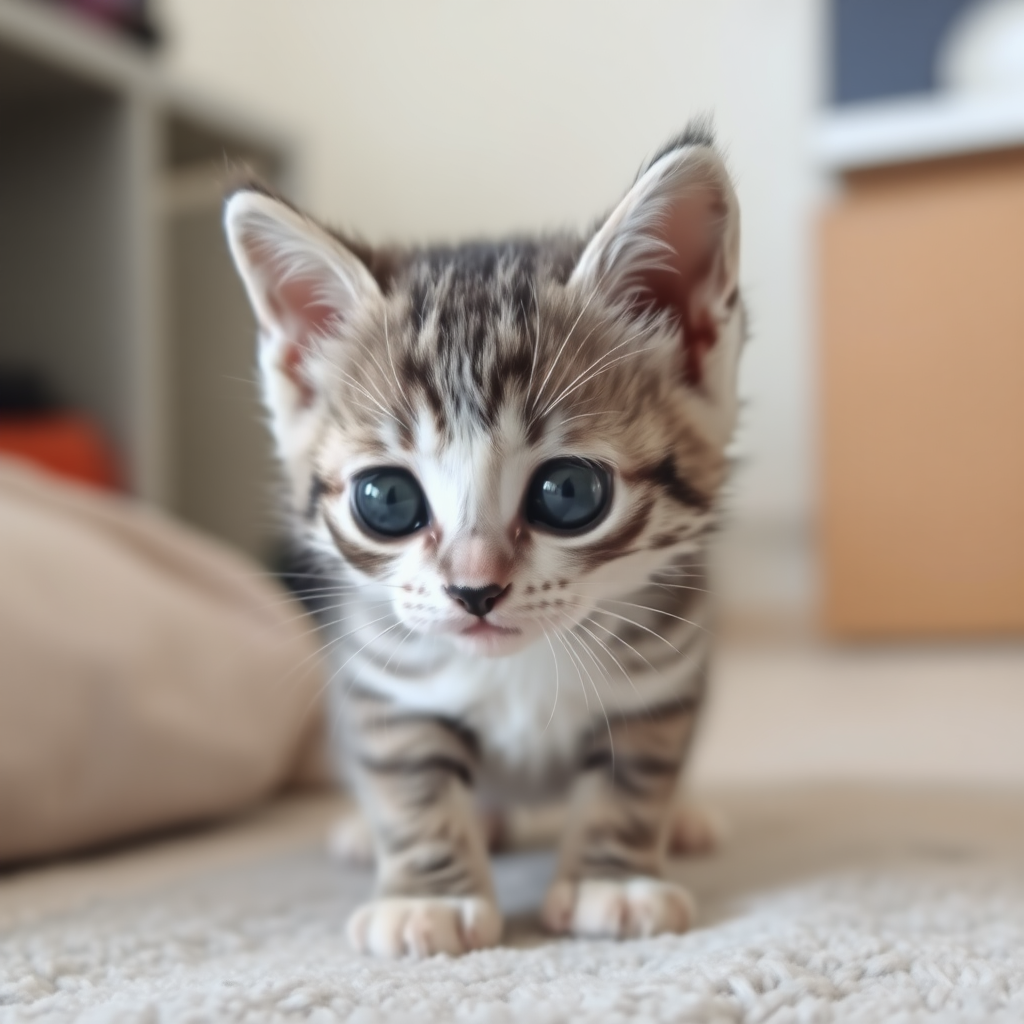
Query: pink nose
[[478, 562], [477, 600]]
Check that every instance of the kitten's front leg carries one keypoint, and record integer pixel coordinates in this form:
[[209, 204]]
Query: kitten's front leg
[[413, 775], [609, 878]]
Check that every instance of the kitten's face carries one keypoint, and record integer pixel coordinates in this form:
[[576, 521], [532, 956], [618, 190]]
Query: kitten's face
[[500, 436], [509, 468]]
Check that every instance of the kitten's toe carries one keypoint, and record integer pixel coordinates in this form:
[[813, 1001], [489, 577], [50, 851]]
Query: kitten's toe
[[423, 926], [351, 839], [604, 908], [695, 829]]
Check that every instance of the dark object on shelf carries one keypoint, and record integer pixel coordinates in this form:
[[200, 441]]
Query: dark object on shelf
[[884, 48], [23, 392], [36, 427], [131, 17]]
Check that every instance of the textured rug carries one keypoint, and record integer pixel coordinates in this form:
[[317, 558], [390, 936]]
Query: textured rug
[[829, 906]]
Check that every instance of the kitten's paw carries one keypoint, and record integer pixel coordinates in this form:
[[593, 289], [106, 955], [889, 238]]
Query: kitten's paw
[[422, 926], [351, 839], [695, 829], [626, 909]]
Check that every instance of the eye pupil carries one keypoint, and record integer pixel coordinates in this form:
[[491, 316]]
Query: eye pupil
[[389, 502], [568, 494]]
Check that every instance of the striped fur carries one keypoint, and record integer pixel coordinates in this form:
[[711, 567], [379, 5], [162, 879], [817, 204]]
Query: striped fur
[[470, 366]]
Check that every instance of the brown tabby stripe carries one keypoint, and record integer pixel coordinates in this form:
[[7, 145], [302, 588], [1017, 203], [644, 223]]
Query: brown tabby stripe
[[461, 732], [664, 474], [677, 708], [413, 773], [418, 766], [593, 556], [622, 799], [372, 563], [317, 489]]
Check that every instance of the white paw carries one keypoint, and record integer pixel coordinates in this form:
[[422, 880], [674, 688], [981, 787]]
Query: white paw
[[627, 909], [351, 839], [422, 926], [694, 829]]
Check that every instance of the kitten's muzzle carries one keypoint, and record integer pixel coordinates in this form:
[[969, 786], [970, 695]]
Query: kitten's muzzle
[[477, 600]]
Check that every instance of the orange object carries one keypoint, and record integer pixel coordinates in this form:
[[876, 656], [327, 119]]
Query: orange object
[[64, 443]]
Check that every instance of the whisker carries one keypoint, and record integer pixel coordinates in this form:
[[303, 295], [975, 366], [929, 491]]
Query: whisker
[[659, 611], [334, 675], [597, 373], [409, 633], [628, 340], [611, 632], [320, 593], [536, 340], [554, 658], [561, 349], [368, 353], [607, 650], [344, 664], [590, 654], [589, 415], [330, 643], [607, 720], [633, 622], [345, 377], [325, 624], [574, 661], [679, 586], [394, 374], [565, 368]]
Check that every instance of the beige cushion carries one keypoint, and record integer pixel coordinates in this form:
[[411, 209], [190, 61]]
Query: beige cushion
[[148, 676]]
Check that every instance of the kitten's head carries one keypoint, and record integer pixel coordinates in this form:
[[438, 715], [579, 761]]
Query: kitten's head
[[503, 434]]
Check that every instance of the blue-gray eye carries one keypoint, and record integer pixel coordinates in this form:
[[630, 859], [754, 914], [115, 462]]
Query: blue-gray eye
[[567, 494], [389, 502]]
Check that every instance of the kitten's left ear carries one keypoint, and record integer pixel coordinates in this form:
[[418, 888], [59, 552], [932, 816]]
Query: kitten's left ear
[[672, 245], [306, 289]]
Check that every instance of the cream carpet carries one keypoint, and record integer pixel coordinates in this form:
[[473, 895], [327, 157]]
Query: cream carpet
[[837, 904]]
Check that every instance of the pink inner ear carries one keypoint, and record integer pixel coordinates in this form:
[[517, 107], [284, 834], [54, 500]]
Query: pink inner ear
[[305, 316], [693, 229]]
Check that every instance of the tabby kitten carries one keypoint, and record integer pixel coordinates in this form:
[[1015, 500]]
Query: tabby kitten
[[508, 456]]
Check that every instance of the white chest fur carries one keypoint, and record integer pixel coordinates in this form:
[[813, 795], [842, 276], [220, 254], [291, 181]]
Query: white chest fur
[[530, 710]]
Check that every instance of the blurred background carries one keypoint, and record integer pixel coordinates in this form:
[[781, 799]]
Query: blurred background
[[878, 150]]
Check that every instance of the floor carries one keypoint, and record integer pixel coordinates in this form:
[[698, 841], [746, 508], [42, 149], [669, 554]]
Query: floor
[[871, 867], [797, 710]]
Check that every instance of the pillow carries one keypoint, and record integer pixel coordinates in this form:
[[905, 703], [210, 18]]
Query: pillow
[[149, 676]]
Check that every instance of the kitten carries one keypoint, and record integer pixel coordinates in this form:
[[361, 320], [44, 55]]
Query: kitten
[[508, 456]]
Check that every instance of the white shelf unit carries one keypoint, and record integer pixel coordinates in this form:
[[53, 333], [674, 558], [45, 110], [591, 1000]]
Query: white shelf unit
[[902, 131], [114, 279]]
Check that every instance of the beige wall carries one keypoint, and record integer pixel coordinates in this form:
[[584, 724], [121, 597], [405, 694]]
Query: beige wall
[[446, 118]]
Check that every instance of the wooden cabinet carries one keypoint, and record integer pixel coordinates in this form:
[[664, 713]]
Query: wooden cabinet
[[922, 399]]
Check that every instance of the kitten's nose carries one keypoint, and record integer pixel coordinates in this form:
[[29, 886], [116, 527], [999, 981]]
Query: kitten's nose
[[476, 600]]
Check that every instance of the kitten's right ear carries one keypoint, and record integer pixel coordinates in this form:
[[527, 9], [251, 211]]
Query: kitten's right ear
[[672, 246], [304, 287]]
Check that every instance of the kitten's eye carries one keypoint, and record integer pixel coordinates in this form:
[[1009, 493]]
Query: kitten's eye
[[567, 494], [389, 502]]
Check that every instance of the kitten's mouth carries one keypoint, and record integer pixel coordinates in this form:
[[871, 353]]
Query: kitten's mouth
[[487, 629]]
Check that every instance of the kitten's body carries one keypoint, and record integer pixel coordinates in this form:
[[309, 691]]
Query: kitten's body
[[508, 457]]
